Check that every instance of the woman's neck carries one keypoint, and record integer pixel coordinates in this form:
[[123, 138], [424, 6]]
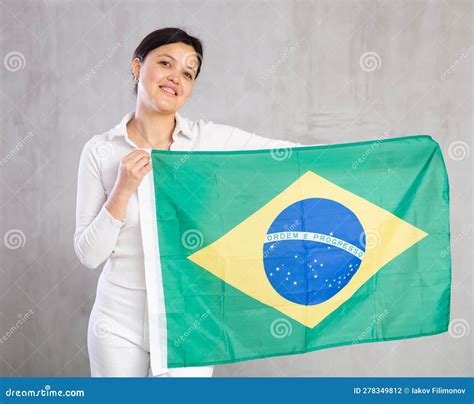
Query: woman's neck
[[156, 128]]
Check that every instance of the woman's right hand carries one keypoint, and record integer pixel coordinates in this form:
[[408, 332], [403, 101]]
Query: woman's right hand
[[133, 167]]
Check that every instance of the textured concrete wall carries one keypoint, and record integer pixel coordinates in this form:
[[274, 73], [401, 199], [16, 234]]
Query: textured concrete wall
[[283, 69]]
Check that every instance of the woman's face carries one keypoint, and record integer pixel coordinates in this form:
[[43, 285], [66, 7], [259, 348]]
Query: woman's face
[[166, 76]]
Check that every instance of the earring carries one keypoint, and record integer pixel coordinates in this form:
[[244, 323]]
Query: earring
[[136, 80]]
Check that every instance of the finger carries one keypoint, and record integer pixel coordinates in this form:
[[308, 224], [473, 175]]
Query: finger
[[134, 156], [136, 165], [139, 160], [139, 166], [145, 169]]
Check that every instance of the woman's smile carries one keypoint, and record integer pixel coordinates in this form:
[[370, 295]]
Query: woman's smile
[[168, 90]]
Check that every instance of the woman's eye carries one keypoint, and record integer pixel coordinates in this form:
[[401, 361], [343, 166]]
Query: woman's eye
[[189, 75], [164, 62]]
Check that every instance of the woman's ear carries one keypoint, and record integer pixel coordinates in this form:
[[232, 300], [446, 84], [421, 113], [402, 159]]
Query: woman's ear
[[135, 68]]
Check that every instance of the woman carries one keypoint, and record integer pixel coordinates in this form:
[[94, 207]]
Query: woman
[[165, 65]]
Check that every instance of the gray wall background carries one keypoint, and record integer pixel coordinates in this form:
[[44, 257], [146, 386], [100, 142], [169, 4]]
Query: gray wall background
[[282, 69]]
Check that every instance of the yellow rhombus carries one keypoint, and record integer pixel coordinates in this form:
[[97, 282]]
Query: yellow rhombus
[[237, 256]]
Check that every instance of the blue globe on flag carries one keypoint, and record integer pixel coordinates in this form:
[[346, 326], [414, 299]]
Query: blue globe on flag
[[312, 250]]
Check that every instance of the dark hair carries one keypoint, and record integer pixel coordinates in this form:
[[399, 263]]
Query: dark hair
[[166, 36]]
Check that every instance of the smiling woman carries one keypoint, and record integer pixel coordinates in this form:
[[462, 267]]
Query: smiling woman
[[170, 68], [113, 164], [164, 66]]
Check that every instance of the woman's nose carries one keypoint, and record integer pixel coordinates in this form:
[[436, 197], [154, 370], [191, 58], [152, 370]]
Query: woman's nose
[[173, 77]]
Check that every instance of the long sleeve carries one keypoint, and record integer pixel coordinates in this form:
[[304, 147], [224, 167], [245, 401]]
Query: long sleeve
[[253, 141], [97, 230], [226, 137]]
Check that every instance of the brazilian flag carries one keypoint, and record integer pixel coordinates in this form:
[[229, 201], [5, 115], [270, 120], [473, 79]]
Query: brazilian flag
[[258, 253]]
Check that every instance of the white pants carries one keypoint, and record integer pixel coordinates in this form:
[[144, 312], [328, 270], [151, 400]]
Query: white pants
[[118, 335]]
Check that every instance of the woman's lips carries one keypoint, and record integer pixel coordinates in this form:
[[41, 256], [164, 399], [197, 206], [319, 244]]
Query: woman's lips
[[168, 91]]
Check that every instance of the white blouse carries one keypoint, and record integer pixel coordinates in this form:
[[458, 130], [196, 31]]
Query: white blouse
[[99, 236]]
